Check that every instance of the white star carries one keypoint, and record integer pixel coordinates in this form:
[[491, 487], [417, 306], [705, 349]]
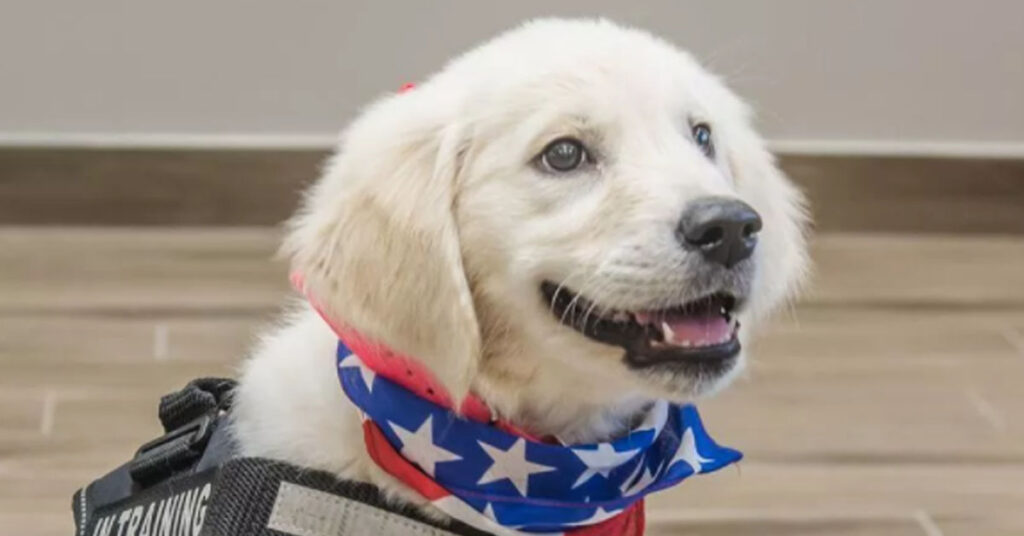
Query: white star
[[419, 447], [688, 453], [646, 478], [512, 465], [600, 461], [353, 361], [489, 512]]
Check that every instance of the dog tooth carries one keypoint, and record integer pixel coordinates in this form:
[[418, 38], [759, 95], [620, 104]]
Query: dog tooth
[[686, 344], [666, 330]]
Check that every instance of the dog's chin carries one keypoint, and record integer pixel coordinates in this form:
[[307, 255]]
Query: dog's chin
[[687, 385], [684, 351]]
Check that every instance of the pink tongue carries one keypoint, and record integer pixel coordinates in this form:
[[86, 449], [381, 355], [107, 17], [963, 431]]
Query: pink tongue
[[691, 330]]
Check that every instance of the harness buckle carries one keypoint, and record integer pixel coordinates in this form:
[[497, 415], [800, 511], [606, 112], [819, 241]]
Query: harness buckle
[[174, 451], [192, 435]]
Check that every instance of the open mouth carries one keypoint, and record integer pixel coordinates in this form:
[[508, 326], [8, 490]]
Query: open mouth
[[701, 333]]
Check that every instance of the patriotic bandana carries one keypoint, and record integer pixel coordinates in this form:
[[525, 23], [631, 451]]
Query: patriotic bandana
[[500, 482]]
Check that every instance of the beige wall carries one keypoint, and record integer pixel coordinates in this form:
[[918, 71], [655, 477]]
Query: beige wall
[[820, 70]]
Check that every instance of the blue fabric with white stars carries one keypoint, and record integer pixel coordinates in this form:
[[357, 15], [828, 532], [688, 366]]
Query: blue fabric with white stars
[[529, 485]]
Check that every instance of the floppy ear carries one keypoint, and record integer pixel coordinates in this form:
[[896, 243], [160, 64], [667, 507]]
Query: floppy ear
[[377, 243]]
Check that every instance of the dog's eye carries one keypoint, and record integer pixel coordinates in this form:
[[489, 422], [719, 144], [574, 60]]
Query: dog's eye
[[563, 155], [702, 137]]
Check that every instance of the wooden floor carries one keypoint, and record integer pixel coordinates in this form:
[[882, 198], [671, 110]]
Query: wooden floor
[[889, 402]]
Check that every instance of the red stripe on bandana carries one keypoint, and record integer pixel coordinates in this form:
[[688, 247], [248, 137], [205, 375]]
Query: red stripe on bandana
[[395, 465]]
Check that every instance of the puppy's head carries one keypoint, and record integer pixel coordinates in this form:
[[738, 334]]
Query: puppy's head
[[572, 199]]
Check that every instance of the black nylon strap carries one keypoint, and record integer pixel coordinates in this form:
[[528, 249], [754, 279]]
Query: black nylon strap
[[189, 417], [200, 396]]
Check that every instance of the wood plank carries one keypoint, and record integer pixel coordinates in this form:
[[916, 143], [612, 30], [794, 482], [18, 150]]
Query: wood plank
[[20, 413], [154, 377], [48, 340], [927, 417], [813, 490], [126, 272], [995, 525], [789, 527], [812, 335], [29, 523], [917, 271]]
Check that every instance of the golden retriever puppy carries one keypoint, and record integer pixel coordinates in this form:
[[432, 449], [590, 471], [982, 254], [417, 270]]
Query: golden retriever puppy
[[571, 221]]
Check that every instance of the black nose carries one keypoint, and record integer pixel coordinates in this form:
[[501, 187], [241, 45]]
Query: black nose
[[723, 229]]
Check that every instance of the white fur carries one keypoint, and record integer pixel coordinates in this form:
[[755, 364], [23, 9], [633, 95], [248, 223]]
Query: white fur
[[432, 227]]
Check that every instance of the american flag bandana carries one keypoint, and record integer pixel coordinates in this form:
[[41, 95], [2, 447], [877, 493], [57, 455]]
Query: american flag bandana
[[503, 483]]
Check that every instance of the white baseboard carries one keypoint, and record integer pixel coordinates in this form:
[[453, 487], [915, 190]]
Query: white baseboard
[[172, 140], [299, 141], [925, 148]]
